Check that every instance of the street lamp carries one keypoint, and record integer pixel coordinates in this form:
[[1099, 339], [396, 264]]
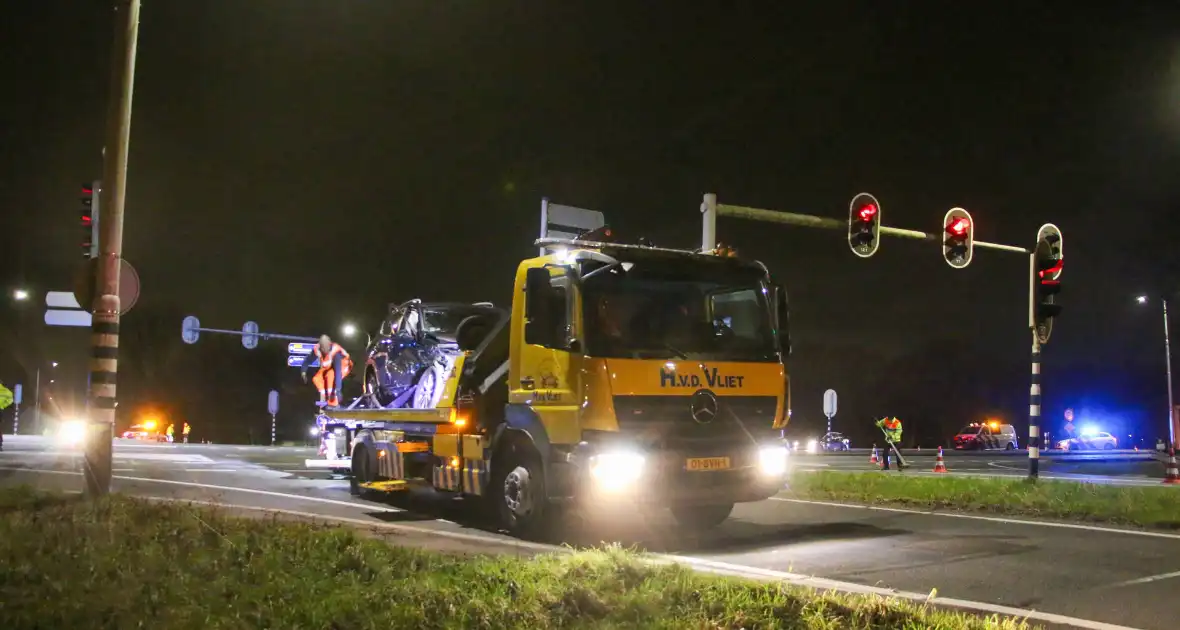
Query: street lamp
[[20, 295], [1142, 299], [349, 330]]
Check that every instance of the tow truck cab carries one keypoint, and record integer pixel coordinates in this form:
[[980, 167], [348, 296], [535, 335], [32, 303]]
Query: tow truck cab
[[621, 373]]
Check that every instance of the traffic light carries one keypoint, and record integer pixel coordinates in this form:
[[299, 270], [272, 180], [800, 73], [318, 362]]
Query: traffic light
[[1048, 261], [958, 238], [89, 239], [864, 225]]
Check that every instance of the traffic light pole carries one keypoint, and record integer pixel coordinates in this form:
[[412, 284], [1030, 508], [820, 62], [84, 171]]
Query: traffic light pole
[[711, 210], [104, 362], [1034, 388]]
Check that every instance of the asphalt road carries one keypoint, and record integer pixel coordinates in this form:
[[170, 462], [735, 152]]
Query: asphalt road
[[1113, 578]]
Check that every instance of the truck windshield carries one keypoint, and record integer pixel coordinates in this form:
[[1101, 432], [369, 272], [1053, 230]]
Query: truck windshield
[[659, 311]]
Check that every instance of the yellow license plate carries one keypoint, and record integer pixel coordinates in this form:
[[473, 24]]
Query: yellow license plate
[[699, 464]]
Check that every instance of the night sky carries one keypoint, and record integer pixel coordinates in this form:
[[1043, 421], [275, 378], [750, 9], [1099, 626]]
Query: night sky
[[304, 163]]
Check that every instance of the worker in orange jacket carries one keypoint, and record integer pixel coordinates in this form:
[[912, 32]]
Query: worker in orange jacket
[[335, 365]]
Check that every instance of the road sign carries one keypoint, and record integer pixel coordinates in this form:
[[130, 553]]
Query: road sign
[[190, 329], [61, 299], [17, 394], [830, 403], [300, 348], [296, 360], [272, 402], [250, 335], [1069, 415], [84, 280], [67, 318]]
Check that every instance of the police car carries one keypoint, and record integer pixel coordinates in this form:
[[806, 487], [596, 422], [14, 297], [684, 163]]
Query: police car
[[987, 436]]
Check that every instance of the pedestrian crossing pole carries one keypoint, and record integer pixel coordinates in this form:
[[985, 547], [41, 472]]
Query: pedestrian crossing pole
[[104, 332], [273, 424]]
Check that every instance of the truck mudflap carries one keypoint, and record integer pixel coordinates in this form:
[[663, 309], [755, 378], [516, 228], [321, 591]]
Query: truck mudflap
[[468, 476]]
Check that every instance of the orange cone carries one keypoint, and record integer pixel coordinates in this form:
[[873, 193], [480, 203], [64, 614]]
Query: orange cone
[[873, 458], [1173, 475], [939, 465]]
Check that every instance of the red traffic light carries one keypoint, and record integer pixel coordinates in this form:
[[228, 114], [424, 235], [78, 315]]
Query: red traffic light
[[959, 226], [867, 212], [1052, 272]]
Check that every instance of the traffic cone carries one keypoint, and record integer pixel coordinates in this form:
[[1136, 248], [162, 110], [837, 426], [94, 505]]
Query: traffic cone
[[1173, 476], [939, 465], [873, 458]]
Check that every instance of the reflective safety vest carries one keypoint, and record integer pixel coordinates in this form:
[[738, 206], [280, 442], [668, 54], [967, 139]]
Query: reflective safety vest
[[326, 361], [186, 429], [892, 427]]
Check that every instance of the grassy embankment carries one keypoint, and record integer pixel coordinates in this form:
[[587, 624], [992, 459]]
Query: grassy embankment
[[1154, 507], [126, 563]]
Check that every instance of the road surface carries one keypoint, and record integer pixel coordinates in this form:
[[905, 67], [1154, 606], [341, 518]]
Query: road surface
[[1112, 578]]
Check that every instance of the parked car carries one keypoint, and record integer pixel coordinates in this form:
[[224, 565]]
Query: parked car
[[415, 349], [987, 436], [145, 431], [1099, 440]]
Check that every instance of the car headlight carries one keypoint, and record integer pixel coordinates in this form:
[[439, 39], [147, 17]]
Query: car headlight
[[72, 432], [812, 446], [772, 460], [616, 470]]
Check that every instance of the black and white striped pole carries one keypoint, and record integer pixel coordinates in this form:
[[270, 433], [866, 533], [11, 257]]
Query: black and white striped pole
[[1044, 267]]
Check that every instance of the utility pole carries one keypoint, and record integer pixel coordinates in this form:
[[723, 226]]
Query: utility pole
[[1034, 388], [104, 362], [1173, 418]]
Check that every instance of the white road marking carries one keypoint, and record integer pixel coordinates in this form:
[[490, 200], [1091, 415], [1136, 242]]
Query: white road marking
[[991, 519], [205, 470], [1147, 580]]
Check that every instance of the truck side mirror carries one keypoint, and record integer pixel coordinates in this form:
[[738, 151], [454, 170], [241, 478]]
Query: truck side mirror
[[783, 319], [540, 324]]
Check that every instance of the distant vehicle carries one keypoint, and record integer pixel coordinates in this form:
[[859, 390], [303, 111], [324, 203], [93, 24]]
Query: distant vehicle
[[1098, 440], [146, 432], [834, 441], [987, 436]]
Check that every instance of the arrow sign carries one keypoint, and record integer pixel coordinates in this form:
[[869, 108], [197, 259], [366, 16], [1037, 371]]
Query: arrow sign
[[296, 360], [190, 329], [61, 299], [250, 335], [830, 403], [67, 318], [300, 348], [272, 402]]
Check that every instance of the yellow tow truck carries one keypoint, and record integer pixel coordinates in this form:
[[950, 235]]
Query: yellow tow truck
[[621, 372]]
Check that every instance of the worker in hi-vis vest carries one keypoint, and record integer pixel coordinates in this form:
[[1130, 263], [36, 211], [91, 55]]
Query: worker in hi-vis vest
[[891, 427], [335, 365]]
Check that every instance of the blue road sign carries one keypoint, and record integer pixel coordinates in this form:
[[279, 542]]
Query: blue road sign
[[272, 402], [296, 360], [250, 335], [17, 394], [190, 329], [300, 348]]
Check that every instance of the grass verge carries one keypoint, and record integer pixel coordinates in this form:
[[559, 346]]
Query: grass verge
[[125, 563], [1124, 505]]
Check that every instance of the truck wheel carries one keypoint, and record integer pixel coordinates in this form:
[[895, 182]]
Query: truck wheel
[[361, 471], [517, 491], [702, 516]]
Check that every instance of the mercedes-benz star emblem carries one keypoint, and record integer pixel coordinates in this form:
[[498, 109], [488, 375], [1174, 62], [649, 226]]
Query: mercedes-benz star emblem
[[703, 406]]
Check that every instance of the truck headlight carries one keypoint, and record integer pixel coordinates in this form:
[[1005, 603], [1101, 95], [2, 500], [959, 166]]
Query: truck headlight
[[772, 460], [616, 470], [72, 432]]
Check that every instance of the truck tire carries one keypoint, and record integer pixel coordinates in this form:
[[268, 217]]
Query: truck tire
[[699, 517], [517, 491], [362, 471]]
